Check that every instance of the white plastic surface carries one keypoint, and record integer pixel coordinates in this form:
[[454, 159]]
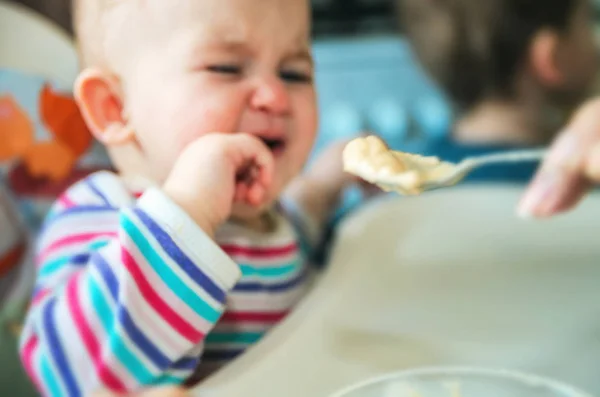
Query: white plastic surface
[[449, 278], [31, 43], [460, 382]]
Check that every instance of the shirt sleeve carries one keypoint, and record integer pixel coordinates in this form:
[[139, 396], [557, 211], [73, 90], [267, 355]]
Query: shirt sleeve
[[123, 295], [310, 234]]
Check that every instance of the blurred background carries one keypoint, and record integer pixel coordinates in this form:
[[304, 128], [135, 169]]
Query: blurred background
[[367, 77], [365, 74]]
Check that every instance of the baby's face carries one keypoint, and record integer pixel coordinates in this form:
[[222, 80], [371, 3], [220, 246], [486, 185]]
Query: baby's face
[[224, 66]]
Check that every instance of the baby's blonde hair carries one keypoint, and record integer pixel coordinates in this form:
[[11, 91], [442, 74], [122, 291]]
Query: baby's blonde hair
[[87, 26], [93, 22]]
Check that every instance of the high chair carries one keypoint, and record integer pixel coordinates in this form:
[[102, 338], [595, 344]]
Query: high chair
[[30, 43], [450, 278]]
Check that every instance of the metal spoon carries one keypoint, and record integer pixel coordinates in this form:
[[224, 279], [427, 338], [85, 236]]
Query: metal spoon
[[459, 171]]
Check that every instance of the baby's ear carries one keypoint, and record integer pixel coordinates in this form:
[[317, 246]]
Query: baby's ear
[[545, 59], [101, 105]]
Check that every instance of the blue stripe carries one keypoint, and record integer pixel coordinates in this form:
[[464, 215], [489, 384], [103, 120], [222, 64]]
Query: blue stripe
[[270, 272], [221, 355], [185, 263], [136, 335], [263, 287], [50, 267], [57, 215], [247, 338], [107, 275], [172, 280], [141, 340], [168, 380], [188, 364], [56, 350], [96, 191], [49, 379], [116, 344], [79, 209], [98, 244]]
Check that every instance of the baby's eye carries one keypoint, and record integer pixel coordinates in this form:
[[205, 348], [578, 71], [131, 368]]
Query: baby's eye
[[225, 69], [292, 76]]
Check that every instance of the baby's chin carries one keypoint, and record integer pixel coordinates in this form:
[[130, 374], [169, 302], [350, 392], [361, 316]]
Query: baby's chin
[[252, 217], [247, 212]]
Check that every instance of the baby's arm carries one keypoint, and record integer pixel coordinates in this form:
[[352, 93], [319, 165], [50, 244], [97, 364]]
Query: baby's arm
[[312, 197], [124, 295]]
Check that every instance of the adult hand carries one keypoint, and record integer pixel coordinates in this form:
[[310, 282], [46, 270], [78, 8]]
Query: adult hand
[[570, 169]]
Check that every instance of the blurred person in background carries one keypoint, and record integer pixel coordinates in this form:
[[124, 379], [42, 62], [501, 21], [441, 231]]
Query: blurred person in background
[[512, 69]]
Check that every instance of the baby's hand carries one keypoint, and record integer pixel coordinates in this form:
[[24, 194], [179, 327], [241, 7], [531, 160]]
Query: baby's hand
[[217, 170], [319, 189]]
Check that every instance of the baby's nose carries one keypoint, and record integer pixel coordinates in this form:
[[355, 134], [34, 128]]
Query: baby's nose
[[271, 96]]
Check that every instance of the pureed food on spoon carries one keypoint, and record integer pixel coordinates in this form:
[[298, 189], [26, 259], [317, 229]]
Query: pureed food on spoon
[[370, 159]]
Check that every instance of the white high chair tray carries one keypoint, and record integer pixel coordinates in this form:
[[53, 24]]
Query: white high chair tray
[[451, 277]]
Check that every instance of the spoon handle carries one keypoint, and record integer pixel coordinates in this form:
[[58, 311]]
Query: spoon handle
[[513, 156]]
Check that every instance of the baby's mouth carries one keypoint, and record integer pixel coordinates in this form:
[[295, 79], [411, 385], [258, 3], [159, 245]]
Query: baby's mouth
[[277, 146]]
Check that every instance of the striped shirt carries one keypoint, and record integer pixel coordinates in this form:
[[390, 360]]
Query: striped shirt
[[130, 292]]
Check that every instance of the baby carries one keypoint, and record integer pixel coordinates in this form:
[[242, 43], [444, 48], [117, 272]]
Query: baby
[[165, 271]]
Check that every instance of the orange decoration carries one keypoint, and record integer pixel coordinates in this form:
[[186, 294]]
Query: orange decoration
[[61, 116], [16, 129], [69, 137], [52, 160]]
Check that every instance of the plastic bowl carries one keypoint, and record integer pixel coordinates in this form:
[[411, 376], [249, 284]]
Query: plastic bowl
[[460, 382]]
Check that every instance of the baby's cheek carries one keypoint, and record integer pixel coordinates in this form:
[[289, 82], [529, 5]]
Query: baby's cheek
[[187, 129], [200, 122]]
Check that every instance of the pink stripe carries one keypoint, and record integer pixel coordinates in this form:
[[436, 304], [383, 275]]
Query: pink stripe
[[71, 240], [27, 353], [65, 201], [107, 377], [39, 297], [143, 317], [262, 252], [254, 317], [157, 303]]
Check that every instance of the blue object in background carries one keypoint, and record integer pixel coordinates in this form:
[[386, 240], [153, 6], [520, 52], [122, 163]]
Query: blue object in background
[[374, 84], [389, 119], [433, 117], [341, 119], [448, 150]]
